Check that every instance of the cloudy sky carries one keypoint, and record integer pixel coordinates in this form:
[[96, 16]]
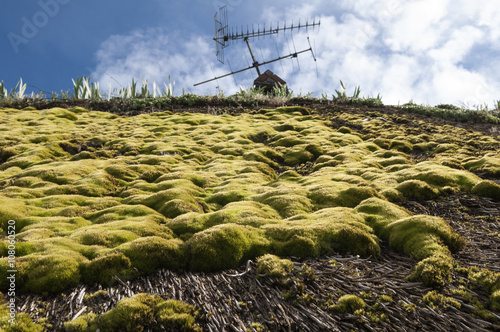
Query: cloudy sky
[[428, 51]]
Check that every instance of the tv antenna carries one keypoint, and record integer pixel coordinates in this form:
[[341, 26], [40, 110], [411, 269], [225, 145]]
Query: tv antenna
[[225, 36]]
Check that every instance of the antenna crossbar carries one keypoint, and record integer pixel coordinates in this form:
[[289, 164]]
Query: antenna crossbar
[[236, 35], [224, 36], [293, 55]]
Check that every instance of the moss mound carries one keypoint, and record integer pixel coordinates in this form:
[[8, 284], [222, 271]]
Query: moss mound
[[418, 190], [152, 252], [487, 188], [225, 246], [142, 312], [430, 240], [47, 274], [325, 231], [349, 304], [243, 213], [101, 270], [422, 236], [22, 321], [273, 266]]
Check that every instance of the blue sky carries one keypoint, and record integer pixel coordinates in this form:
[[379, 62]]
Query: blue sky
[[428, 51]]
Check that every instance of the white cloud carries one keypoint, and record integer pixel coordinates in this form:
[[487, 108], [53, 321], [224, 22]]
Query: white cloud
[[419, 50], [154, 55], [416, 50], [420, 26]]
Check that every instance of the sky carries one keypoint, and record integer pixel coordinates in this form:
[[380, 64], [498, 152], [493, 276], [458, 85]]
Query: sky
[[427, 51]]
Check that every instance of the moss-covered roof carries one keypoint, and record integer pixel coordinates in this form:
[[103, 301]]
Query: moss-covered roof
[[95, 194]]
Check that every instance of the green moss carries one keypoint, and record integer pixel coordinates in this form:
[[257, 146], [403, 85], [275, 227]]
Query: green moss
[[272, 154], [298, 246], [487, 188], [436, 300], [442, 176], [61, 113], [78, 110], [23, 322], [433, 271], [184, 183], [22, 248], [142, 226], [61, 172], [82, 324], [326, 231], [225, 196], [402, 145], [225, 246], [102, 269], [330, 163], [103, 237], [421, 236], [97, 184], [486, 278], [441, 148], [131, 314], [177, 207], [122, 172], [35, 234], [347, 239], [349, 304], [171, 202], [287, 205], [315, 149], [383, 143], [50, 273], [243, 213], [120, 212], [260, 157], [395, 160], [345, 130], [489, 165], [351, 197], [392, 195], [83, 155], [418, 190], [177, 315], [150, 253], [274, 267], [287, 139], [428, 239], [495, 300], [212, 179], [12, 209], [293, 109], [293, 158], [424, 147]]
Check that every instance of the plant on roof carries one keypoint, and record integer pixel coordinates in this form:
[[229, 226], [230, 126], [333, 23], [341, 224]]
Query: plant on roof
[[16, 93], [342, 97]]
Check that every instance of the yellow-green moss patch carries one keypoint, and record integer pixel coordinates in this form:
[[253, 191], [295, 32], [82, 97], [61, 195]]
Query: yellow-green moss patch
[[225, 246], [93, 191], [152, 252]]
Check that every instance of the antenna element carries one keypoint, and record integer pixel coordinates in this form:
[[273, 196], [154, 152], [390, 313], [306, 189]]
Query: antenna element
[[224, 36]]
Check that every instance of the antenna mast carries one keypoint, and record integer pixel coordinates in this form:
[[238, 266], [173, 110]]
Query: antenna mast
[[224, 36]]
